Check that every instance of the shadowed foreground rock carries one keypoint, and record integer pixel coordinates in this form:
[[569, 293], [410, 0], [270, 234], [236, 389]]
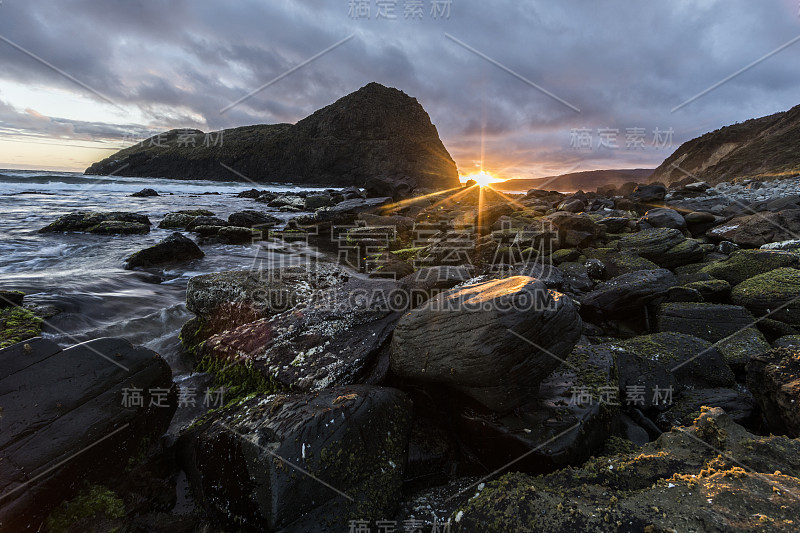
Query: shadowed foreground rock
[[69, 404], [690, 479], [469, 338], [173, 249], [302, 460], [774, 378]]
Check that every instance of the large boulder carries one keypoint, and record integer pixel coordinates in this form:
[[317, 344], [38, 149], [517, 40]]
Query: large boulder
[[106, 223], [295, 462], [332, 338], [173, 249], [494, 340], [690, 479], [227, 300], [774, 379], [374, 131], [628, 292], [74, 416], [647, 193], [775, 293]]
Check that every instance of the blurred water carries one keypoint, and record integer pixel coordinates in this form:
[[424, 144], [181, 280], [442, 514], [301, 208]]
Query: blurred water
[[83, 274]]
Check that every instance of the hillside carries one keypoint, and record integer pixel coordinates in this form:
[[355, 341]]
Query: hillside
[[587, 180], [374, 131], [761, 148]]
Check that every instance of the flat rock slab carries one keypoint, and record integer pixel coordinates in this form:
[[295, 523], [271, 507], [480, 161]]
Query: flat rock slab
[[101, 223], [628, 292], [328, 340], [70, 405], [712, 322], [319, 458]]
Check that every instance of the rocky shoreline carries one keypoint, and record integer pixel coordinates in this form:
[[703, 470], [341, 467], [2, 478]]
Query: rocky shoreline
[[618, 360]]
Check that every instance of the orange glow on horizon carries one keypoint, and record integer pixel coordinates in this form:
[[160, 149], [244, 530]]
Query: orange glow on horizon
[[482, 178]]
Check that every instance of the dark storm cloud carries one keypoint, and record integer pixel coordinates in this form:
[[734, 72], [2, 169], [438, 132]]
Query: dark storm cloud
[[624, 65]]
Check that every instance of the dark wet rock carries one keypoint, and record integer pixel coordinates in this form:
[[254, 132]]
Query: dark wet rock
[[299, 462], [727, 247], [741, 346], [145, 193], [342, 214], [316, 201], [206, 221], [774, 329], [744, 264], [774, 379], [387, 265], [713, 290], [690, 479], [175, 248], [430, 281], [402, 225], [226, 300], [252, 193], [708, 321], [663, 217], [108, 223], [11, 298], [566, 421], [252, 219], [787, 341], [572, 205], [692, 361], [330, 339], [699, 217], [775, 293], [181, 219], [628, 292], [397, 187], [282, 201], [684, 294], [574, 229], [618, 263], [752, 231], [737, 403], [207, 231], [236, 235], [614, 224], [595, 269], [575, 279], [58, 403], [468, 338], [654, 192], [666, 247]]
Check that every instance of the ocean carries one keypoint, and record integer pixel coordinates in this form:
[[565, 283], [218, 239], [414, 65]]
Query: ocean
[[83, 275]]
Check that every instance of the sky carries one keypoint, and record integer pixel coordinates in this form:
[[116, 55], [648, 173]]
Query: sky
[[519, 88]]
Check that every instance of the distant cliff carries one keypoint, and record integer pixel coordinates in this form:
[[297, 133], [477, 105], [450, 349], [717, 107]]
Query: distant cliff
[[375, 131], [763, 148], [587, 180]]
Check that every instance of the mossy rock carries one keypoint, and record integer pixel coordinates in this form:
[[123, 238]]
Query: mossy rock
[[741, 346], [18, 324], [714, 290], [93, 504], [744, 264], [407, 254], [774, 293], [565, 254]]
